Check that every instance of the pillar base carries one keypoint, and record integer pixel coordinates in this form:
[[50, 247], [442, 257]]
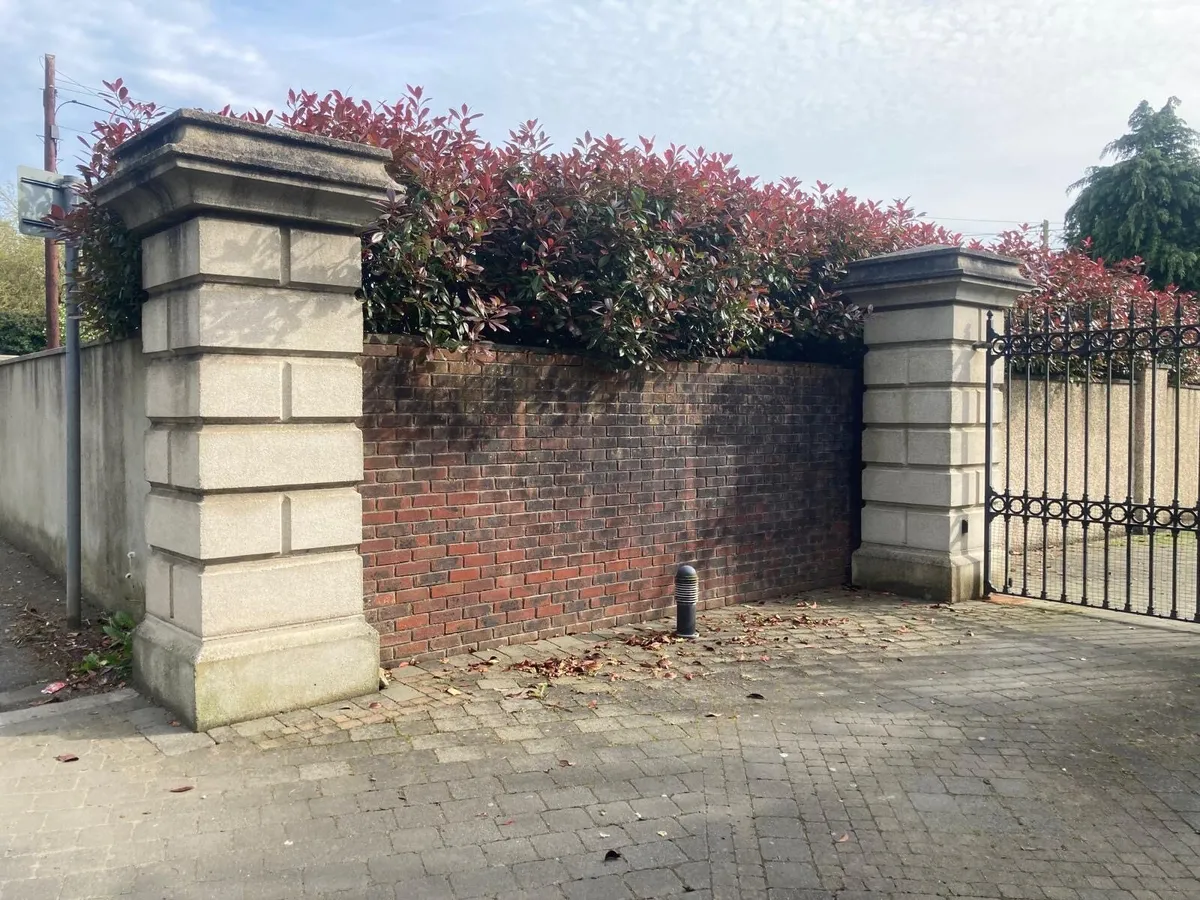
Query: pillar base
[[219, 681], [921, 574]]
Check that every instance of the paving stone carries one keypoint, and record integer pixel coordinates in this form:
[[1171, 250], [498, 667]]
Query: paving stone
[[328, 879], [1045, 755], [482, 883], [557, 844], [608, 887], [653, 883], [538, 873], [435, 887], [453, 859]]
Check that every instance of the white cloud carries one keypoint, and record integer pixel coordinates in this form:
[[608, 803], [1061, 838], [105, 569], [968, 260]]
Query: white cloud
[[973, 108]]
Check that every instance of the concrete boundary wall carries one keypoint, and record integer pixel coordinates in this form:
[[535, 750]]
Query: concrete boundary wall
[[33, 502], [1118, 457]]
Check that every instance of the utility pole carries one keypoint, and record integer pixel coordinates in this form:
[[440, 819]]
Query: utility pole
[[50, 138], [1045, 234]]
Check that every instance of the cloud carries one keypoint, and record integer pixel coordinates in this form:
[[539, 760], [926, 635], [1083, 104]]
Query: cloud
[[973, 109], [175, 52]]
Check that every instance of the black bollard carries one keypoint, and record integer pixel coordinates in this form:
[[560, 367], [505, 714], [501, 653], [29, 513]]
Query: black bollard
[[687, 592]]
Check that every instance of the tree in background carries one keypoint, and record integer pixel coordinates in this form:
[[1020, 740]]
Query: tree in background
[[1146, 205], [22, 284], [22, 262]]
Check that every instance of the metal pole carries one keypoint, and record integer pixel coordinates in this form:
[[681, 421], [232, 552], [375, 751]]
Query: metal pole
[[50, 163], [71, 387]]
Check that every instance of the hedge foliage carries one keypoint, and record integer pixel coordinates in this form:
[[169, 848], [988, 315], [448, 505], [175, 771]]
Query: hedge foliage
[[21, 332], [618, 249]]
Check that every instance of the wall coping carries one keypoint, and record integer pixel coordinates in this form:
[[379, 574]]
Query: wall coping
[[158, 135], [582, 359], [59, 351], [194, 163]]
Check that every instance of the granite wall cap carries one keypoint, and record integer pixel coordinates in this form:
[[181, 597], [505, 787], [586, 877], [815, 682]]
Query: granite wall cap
[[935, 262], [194, 163]]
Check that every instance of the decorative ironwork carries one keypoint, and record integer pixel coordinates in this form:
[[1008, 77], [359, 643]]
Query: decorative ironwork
[[1092, 503]]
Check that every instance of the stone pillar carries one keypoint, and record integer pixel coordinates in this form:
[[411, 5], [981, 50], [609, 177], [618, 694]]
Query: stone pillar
[[923, 413], [250, 257]]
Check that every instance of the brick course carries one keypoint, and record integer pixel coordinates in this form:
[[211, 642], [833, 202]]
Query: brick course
[[519, 494]]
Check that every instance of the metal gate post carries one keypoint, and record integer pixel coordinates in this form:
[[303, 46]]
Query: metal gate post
[[989, 431]]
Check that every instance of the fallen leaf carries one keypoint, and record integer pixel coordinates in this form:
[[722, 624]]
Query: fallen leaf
[[592, 704], [453, 692], [508, 821], [538, 692], [611, 855], [182, 789], [842, 839], [562, 666], [565, 763], [712, 715], [755, 695], [174, 723], [662, 834], [54, 687], [603, 834], [374, 705], [67, 757]]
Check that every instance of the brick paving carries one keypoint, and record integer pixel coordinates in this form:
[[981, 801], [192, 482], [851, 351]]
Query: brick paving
[[898, 751]]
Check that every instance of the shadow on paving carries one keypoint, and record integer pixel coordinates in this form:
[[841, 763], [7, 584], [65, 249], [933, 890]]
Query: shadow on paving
[[22, 584], [899, 751], [36, 646]]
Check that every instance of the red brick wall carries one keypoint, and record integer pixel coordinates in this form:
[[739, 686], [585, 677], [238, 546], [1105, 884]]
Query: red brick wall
[[529, 494]]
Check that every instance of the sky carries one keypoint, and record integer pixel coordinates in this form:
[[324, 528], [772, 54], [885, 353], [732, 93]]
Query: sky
[[980, 112]]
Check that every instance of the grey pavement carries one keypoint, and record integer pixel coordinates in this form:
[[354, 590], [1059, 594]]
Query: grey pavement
[[21, 583], [897, 752]]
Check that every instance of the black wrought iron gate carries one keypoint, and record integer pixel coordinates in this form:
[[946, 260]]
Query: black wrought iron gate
[[1093, 455]]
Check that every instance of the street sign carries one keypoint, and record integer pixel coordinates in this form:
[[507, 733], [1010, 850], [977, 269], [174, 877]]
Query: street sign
[[38, 193]]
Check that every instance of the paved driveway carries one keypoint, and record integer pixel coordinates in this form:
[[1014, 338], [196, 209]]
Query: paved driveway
[[897, 751]]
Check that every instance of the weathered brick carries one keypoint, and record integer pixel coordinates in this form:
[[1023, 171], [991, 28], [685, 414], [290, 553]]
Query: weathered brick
[[536, 494]]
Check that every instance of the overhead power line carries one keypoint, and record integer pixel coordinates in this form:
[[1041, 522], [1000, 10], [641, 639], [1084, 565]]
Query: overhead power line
[[1029, 222]]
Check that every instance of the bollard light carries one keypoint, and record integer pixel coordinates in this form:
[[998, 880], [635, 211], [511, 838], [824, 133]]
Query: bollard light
[[687, 592]]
